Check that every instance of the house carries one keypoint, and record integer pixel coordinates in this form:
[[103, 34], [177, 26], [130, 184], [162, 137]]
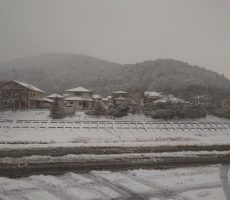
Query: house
[[20, 95], [150, 97], [202, 100], [170, 99], [80, 98], [121, 98]]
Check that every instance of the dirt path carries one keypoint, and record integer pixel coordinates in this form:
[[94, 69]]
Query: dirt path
[[83, 166], [60, 151]]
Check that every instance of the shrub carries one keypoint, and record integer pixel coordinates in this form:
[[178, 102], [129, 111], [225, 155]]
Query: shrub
[[118, 111]]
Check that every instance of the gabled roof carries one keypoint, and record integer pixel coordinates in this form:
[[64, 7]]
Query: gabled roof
[[78, 89], [55, 96], [28, 86]]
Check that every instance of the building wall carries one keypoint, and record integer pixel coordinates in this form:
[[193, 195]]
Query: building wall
[[80, 94], [18, 97]]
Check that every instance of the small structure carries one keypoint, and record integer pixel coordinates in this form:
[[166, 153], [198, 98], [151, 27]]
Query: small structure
[[97, 97], [46, 103], [20, 95], [170, 99], [56, 96], [120, 98], [150, 97], [80, 98], [202, 100], [105, 101]]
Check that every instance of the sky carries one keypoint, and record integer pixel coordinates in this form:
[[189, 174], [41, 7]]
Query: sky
[[123, 31]]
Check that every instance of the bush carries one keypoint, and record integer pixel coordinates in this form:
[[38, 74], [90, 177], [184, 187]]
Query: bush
[[99, 109], [176, 111], [57, 111], [221, 112], [118, 111]]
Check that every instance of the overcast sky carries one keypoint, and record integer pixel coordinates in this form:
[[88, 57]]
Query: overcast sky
[[124, 31]]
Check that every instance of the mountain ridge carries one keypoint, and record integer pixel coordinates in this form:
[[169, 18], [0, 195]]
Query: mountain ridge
[[55, 72]]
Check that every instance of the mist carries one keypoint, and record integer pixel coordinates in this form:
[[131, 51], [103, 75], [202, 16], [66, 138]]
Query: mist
[[123, 31]]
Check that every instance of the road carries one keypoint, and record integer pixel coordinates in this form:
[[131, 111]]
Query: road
[[26, 166]]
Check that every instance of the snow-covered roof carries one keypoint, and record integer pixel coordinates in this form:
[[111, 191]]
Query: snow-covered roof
[[78, 89], [120, 92], [28, 86], [55, 95], [78, 99], [171, 99], [65, 95], [163, 100], [121, 98], [47, 100], [96, 96], [153, 94], [105, 99]]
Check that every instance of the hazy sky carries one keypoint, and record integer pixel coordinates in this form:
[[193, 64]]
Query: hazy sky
[[124, 31]]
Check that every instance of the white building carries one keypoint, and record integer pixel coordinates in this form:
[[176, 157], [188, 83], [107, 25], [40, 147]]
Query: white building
[[80, 98]]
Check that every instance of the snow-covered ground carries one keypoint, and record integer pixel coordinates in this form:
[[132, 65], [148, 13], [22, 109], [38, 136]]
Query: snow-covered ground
[[194, 183], [43, 114], [17, 137]]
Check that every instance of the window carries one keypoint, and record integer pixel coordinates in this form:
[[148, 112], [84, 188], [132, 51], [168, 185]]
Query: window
[[77, 94]]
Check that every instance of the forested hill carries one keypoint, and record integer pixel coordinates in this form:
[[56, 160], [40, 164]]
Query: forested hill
[[57, 72]]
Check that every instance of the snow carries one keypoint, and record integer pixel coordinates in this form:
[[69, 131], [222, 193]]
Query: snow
[[31, 138], [205, 194], [2, 197], [49, 180], [29, 86], [54, 137], [40, 195], [107, 191], [153, 94], [96, 96], [192, 183], [120, 92], [80, 179], [55, 96], [47, 100], [123, 181], [78, 89], [83, 194], [9, 184]]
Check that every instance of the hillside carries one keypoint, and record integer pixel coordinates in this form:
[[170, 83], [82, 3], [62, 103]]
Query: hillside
[[57, 72]]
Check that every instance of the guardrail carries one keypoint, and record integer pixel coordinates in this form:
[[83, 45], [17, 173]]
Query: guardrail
[[112, 124]]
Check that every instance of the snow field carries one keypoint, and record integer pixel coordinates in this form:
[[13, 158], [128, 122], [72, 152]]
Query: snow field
[[196, 183], [17, 137]]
